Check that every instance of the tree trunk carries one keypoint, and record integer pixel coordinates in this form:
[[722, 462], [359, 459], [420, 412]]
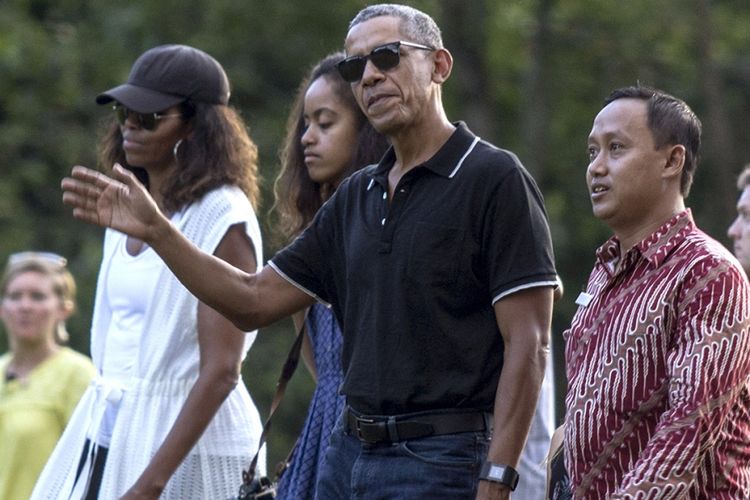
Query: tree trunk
[[718, 144], [535, 118], [464, 26]]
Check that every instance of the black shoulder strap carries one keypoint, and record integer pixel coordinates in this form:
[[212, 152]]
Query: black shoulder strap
[[292, 360]]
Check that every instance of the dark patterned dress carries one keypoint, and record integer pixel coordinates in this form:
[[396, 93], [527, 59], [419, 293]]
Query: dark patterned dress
[[559, 481], [298, 481]]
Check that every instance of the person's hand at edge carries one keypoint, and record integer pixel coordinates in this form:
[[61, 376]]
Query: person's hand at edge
[[120, 202]]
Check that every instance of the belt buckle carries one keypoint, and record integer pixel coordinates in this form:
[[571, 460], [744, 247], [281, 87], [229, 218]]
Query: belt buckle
[[359, 421]]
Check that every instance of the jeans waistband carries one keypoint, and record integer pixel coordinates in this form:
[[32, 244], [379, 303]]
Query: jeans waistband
[[391, 429]]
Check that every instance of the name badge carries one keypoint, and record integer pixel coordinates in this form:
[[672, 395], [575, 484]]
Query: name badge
[[584, 299]]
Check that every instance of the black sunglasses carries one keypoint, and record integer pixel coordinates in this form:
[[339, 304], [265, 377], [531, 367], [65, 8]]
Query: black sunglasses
[[146, 121], [384, 57]]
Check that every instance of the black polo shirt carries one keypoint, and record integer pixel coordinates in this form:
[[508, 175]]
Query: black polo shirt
[[413, 281]]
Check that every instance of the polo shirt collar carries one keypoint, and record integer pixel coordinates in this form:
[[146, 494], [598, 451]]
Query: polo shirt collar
[[655, 248], [444, 162]]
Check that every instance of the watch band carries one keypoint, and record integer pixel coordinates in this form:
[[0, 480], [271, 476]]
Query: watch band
[[499, 473]]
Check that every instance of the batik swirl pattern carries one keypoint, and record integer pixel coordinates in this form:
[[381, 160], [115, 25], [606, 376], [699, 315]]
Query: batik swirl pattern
[[658, 366]]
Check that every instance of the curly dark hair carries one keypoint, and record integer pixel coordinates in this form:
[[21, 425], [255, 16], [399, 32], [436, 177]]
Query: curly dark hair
[[297, 196], [217, 152]]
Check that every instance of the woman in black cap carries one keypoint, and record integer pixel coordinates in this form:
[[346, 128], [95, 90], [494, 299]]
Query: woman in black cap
[[168, 415]]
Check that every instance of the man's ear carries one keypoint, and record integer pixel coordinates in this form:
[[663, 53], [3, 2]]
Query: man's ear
[[675, 161], [443, 65]]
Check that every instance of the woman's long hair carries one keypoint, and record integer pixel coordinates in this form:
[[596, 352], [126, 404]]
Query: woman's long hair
[[297, 196], [218, 151]]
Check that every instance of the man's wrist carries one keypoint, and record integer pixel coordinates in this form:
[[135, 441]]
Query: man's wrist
[[500, 474]]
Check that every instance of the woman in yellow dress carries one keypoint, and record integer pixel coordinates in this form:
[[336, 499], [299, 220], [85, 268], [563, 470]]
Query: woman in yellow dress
[[41, 381]]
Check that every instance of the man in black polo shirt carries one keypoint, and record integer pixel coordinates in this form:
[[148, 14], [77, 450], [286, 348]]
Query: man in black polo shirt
[[438, 265]]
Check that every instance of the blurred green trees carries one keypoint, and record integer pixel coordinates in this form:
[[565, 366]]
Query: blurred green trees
[[529, 75]]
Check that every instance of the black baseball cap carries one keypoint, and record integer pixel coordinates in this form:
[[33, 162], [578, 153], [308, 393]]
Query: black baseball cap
[[167, 75]]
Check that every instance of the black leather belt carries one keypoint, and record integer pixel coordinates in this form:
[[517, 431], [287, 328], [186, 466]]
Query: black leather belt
[[374, 430]]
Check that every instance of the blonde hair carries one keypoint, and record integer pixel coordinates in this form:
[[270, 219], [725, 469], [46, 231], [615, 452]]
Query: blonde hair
[[54, 267]]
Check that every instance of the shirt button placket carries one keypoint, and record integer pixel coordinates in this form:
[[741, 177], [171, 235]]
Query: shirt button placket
[[385, 237], [385, 207]]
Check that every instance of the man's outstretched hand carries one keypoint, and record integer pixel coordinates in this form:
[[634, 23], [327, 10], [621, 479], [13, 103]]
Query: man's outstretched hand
[[120, 202]]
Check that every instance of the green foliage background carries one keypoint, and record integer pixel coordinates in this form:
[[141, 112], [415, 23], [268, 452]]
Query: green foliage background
[[529, 75]]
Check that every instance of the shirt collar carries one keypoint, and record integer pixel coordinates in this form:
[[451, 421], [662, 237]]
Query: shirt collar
[[444, 162], [655, 248]]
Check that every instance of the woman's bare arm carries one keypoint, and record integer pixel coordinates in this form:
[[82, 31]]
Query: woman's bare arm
[[121, 202]]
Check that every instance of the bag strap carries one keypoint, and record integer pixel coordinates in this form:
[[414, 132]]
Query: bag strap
[[292, 360]]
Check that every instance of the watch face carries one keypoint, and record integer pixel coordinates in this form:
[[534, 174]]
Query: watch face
[[496, 472], [499, 473]]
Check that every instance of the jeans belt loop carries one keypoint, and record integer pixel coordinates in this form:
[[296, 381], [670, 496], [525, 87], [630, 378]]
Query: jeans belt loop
[[392, 430], [488, 423]]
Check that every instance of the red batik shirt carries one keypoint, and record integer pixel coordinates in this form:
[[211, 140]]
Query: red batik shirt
[[658, 366]]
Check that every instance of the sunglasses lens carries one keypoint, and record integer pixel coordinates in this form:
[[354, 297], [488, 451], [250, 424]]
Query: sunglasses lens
[[351, 69], [385, 58], [146, 121]]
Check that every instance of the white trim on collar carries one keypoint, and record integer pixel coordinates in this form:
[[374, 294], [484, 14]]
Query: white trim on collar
[[455, 170], [461, 161]]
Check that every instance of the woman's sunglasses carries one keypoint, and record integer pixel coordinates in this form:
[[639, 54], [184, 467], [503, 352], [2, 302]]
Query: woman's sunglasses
[[384, 57], [146, 121], [49, 258]]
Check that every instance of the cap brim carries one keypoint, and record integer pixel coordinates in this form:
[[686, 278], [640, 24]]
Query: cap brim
[[139, 99]]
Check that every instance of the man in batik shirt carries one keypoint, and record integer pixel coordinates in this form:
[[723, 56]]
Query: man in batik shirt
[[658, 353]]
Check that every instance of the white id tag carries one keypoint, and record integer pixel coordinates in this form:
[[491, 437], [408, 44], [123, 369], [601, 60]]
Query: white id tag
[[584, 299]]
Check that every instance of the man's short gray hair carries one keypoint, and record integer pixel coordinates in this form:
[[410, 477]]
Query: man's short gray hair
[[416, 26]]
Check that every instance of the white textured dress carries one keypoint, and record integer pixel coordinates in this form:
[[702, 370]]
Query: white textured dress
[[165, 371]]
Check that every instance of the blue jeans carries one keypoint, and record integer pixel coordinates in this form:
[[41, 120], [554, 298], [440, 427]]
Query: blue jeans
[[432, 467]]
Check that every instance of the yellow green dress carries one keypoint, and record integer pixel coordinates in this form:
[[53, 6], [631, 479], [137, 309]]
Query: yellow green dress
[[33, 414]]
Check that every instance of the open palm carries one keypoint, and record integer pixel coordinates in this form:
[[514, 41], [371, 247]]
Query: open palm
[[120, 202]]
